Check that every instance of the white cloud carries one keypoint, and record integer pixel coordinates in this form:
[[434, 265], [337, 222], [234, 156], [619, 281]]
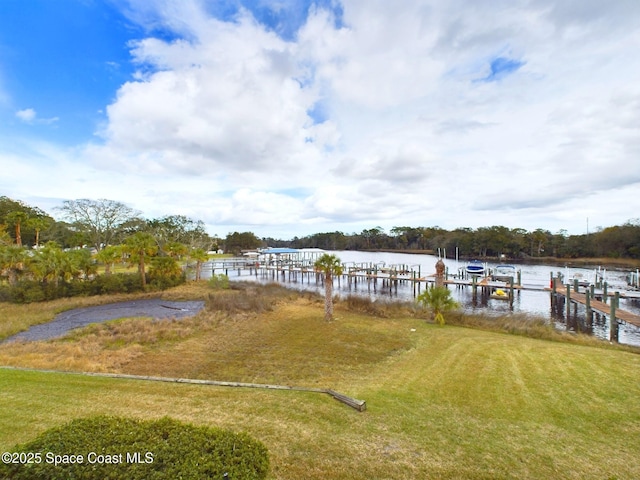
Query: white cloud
[[379, 120], [29, 115], [227, 102]]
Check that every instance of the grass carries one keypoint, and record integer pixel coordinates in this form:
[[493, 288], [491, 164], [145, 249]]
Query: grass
[[443, 402]]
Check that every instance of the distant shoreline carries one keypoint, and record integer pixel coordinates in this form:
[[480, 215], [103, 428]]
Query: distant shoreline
[[622, 263]]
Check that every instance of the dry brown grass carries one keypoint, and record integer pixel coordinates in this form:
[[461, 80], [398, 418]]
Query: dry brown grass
[[251, 333], [382, 308], [251, 297], [291, 344], [259, 334], [100, 347]]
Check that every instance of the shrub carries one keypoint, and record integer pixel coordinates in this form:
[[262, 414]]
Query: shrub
[[5, 293], [249, 297], [113, 283], [165, 273], [27, 291], [439, 300], [219, 282], [148, 450]]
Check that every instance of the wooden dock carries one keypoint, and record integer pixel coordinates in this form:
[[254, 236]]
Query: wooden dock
[[390, 274], [601, 306]]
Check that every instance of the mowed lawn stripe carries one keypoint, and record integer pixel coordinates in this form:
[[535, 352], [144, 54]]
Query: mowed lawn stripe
[[443, 402]]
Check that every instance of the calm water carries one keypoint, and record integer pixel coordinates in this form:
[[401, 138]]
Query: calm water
[[537, 303]]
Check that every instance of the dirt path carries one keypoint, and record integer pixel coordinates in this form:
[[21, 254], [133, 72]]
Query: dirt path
[[80, 317]]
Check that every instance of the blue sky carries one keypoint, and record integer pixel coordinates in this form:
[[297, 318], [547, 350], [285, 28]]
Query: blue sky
[[284, 17], [290, 117], [63, 60], [501, 67]]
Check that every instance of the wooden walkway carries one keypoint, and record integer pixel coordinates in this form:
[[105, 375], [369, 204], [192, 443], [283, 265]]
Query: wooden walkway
[[394, 274], [602, 307]]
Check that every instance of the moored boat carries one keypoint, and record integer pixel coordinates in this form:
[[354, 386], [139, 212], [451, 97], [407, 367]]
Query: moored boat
[[475, 267], [504, 273]]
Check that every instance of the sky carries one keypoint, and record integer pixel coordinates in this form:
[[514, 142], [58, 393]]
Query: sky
[[292, 117]]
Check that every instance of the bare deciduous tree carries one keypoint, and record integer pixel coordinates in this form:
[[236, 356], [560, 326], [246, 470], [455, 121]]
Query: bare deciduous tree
[[101, 220]]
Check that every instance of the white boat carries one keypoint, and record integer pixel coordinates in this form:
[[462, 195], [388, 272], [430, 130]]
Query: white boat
[[475, 267], [504, 273], [579, 278]]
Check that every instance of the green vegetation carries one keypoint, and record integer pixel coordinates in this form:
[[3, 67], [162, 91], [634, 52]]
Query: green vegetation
[[329, 266], [442, 402], [620, 243], [100, 223], [219, 281], [439, 300], [236, 242], [114, 447]]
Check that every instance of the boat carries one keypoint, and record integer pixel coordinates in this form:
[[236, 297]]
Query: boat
[[475, 267], [579, 279], [504, 273]]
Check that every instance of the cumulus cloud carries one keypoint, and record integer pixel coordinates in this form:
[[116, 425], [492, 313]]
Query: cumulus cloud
[[228, 100], [428, 112]]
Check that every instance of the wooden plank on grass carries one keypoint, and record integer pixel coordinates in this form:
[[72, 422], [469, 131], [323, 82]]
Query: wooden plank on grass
[[359, 405]]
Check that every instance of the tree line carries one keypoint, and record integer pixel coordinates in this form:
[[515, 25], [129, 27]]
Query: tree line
[[622, 241], [96, 224], [41, 258], [100, 223]]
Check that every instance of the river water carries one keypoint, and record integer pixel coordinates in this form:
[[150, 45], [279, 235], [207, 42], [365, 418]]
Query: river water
[[536, 303]]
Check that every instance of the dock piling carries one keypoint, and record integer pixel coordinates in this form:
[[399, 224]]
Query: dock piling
[[613, 322]]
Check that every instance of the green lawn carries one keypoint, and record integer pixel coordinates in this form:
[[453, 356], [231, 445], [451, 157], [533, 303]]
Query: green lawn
[[442, 402]]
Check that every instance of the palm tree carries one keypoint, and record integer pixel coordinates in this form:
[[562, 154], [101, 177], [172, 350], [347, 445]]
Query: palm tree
[[109, 255], [50, 263], [164, 271], [439, 300], [329, 265], [12, 260], [175, 249], [200, 256], [141, 245], [81, 264], [18, 217], [38, 224]]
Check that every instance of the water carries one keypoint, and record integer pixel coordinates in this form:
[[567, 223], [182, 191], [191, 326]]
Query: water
[[81, 317], [536, 303]]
